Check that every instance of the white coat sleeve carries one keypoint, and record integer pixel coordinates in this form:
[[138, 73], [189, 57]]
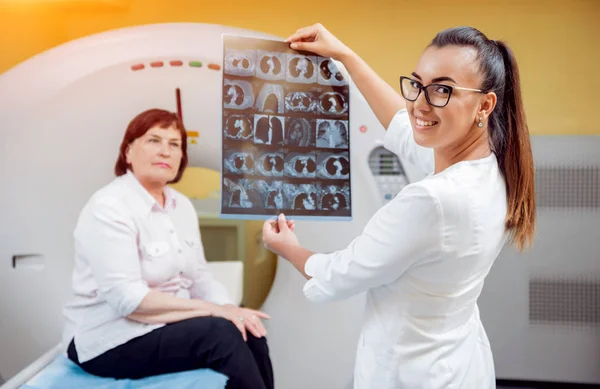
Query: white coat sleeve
[[405, 231], [399, 139], [108, 239]]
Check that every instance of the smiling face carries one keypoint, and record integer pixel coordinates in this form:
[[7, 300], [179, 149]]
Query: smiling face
[[452, 125], [155, 157]]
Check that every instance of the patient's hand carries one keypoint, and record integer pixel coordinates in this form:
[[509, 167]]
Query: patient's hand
[[278, 235], [244, 319]]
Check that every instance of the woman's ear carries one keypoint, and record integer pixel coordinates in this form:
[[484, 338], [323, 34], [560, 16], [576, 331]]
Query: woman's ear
[[127, 154], [488, 104]]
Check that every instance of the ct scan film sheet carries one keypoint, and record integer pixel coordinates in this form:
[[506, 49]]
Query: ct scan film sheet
[[286, 141]]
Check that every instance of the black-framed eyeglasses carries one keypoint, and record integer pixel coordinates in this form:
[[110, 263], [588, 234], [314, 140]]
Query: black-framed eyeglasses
[[437, 95]]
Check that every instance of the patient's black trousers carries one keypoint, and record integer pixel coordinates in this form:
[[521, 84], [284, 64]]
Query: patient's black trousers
[[203, 342]]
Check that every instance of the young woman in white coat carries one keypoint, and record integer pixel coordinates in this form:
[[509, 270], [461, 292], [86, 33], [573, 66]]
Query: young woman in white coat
[[423, 257]]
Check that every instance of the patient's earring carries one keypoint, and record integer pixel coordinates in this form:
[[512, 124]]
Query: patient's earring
[[480, 124]]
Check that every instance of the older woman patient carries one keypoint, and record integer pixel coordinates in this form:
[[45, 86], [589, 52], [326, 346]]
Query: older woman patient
[[144, 301]]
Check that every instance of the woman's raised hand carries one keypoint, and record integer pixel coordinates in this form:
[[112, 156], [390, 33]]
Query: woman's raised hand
[[317, 39]]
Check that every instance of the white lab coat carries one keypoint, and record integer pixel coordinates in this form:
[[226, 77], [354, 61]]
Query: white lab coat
[[422, 260]]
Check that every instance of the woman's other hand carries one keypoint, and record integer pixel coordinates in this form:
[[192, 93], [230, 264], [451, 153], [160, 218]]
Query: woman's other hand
[[244, 319], [278, 235], [317, 39]]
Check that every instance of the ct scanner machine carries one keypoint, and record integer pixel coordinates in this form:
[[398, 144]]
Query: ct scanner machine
[[62, 116]]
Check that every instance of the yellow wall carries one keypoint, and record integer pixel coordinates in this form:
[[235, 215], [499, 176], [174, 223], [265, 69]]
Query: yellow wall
[[556, 42]]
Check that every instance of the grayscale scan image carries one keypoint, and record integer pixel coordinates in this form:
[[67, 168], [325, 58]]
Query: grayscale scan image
[[300, 132], [269, 163], [286, 132], [238, 127], [332, 134], [239, 161], [333, 197], [333, 165]]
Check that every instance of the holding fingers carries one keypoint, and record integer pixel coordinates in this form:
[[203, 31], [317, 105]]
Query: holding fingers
[[317, 39], [278, 235]]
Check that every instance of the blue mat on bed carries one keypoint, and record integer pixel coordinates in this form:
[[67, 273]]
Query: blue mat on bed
[[62, 373]]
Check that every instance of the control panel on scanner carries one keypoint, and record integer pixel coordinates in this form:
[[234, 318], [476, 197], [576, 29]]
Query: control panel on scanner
[[389, 173]]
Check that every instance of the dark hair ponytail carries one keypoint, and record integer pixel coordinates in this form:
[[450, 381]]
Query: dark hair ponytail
[[508, 131], [518, 166]]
